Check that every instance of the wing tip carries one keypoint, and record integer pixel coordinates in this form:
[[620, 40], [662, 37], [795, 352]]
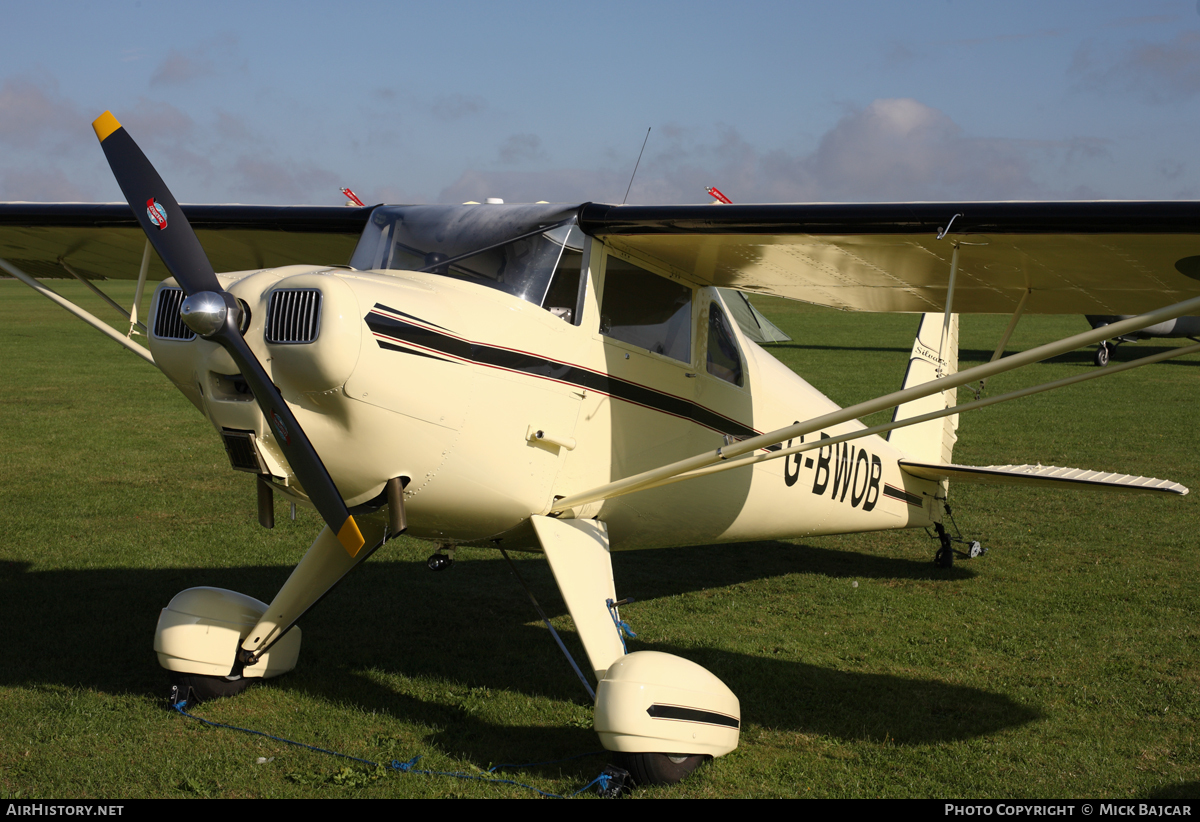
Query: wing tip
[[105, 125]]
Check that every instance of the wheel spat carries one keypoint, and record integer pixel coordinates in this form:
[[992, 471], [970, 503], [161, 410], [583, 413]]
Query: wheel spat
[[216, 316]]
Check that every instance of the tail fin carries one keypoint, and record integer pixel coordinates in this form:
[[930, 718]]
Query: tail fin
[[933, 440]]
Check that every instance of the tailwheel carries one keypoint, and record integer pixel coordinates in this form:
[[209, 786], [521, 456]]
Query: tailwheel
[[944, 558], [1102, 354], [193, 689], [660, 768]]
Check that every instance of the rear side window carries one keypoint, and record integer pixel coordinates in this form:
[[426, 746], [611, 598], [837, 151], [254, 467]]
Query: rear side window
[[646, 310], [723, 358]]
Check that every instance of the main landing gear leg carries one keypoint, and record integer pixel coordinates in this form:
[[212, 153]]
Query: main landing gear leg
[[214, 642], [661, 715]]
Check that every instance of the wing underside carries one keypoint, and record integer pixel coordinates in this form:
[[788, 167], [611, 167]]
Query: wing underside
[[1105, 257], [1071, 258], [103, 240]]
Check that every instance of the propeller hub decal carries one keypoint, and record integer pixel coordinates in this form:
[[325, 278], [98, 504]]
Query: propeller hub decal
[[158, 214], [280, 428]]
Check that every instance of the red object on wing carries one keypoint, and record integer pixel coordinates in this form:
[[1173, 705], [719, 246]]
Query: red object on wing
[[352, 197], [717, 195]]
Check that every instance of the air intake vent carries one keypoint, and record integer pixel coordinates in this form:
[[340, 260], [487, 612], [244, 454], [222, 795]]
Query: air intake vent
[[167, 324], [294, 315], [243, 454]]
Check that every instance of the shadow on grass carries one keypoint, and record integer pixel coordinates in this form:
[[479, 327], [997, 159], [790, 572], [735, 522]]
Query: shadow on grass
[[472, 628], [795, 346], [1185, 790], [978, 356], [653, 574], [785, 694], [1123, 353]]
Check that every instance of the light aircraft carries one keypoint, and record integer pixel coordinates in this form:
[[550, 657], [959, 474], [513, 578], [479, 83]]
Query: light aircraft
[[1178, 328], [566, 379]]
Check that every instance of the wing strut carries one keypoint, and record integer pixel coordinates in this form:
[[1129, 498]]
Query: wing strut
[[1012, 326], [932, 415], [133, 317], [141, 286], [1043, 352], [89, 318], [949, 312]]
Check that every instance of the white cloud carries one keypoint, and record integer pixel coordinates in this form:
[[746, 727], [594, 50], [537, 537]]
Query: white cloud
[[32, 114], [902, 149], [521, 148], [893, 149], [208, 59], [1161, 72], [262, 180], [449, 107], [555, 186], [42, 184]]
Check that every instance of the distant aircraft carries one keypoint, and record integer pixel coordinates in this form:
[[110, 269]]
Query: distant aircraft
[[566, 379], [1180, 327]]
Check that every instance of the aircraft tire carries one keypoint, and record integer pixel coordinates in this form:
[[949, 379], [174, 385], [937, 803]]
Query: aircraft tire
[[1101, 358], [197, 688], [660, 768]]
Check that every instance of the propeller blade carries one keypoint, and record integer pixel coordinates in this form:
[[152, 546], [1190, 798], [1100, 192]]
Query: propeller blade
[[215, 314], [155, 208]]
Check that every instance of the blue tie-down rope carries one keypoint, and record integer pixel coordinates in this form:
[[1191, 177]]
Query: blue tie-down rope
[[623, 629], [410, 766]]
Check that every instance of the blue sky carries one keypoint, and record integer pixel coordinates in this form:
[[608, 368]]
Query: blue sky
[[771, 102]]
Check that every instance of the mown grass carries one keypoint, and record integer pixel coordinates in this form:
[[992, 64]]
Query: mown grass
[[1061, 664]]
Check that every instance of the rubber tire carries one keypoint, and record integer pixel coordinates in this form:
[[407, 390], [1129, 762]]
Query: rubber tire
[[944, 558], [1102, 354], [207, 688], [660, 768]]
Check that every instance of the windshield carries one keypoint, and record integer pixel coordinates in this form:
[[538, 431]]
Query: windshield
[[512, 248]]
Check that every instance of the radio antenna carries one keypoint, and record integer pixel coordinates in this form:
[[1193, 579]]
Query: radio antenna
[[635, 166]]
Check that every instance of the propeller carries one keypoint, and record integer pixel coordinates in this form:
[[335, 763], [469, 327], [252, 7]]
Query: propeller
[[215, 314]]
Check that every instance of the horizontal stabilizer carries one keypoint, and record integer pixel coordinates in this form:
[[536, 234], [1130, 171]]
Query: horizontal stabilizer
[[1045, 476]]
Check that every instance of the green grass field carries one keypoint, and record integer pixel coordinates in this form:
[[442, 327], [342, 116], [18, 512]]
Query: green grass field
[[1064, 663]]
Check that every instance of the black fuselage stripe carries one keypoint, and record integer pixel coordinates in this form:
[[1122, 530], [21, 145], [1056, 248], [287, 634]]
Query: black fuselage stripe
[[680, 713], [900, 494], [524, 363], [406, 350]]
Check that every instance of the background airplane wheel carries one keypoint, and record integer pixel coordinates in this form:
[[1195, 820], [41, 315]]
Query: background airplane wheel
[[1102, 352], [661, 769], [196, 688]]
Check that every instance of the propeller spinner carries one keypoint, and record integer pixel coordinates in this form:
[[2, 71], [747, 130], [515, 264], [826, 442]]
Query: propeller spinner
[[214, 313]]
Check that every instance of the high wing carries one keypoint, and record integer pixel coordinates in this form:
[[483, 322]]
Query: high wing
[[1104, 257], [1070, 257], [103, 240]]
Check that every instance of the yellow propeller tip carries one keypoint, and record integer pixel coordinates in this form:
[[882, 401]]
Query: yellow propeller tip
[[105, 125], [350, 537]]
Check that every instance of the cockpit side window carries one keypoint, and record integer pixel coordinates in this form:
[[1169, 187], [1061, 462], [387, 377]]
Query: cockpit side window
[[646, 310], [562, 298], [724, 360]]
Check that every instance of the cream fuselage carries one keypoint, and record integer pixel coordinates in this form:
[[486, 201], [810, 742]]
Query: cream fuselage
[[446, 383]]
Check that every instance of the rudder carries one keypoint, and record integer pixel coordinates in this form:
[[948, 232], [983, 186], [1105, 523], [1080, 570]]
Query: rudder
[[933, 440]]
